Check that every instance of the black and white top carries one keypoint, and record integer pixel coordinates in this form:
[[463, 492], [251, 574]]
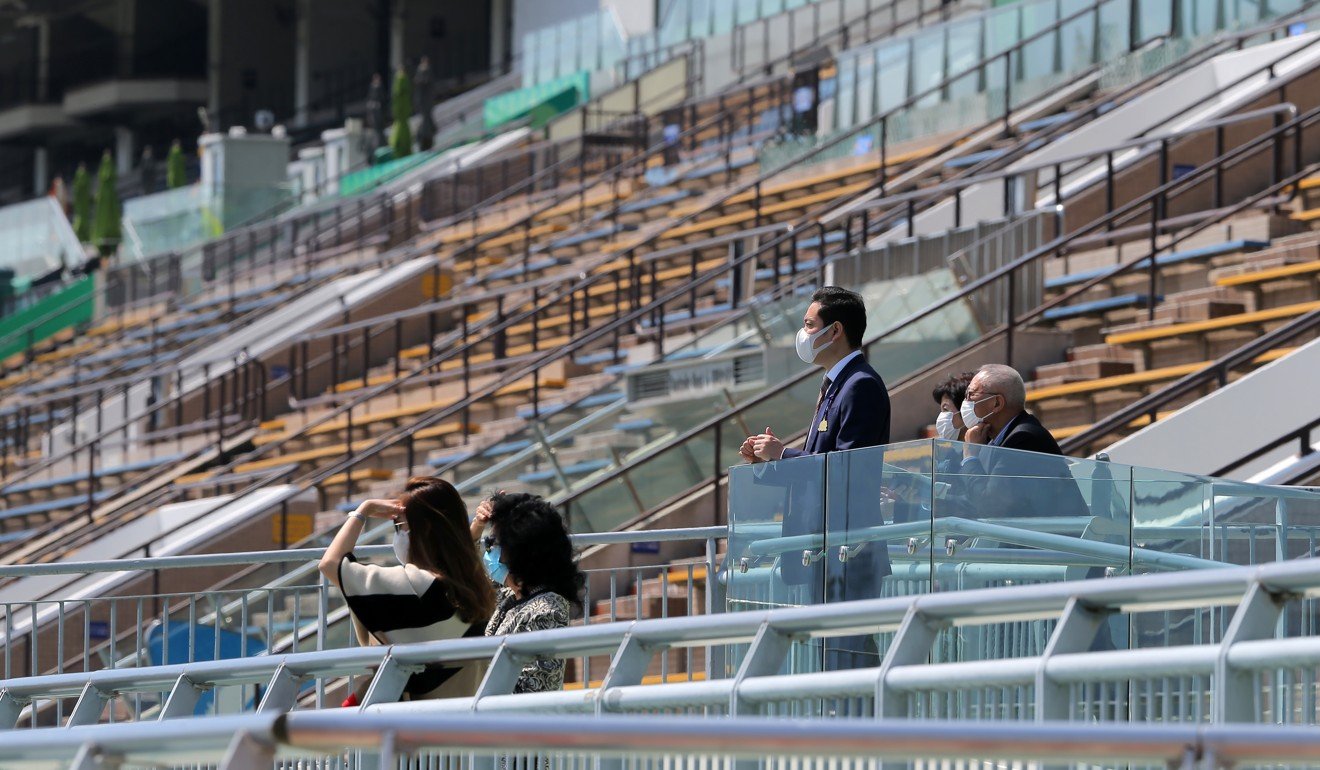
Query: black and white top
[[406, 604], [541, 609]]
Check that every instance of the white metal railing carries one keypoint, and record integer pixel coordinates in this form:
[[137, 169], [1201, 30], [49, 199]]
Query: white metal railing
[[1261, 668], [568, 743], [293, 609]]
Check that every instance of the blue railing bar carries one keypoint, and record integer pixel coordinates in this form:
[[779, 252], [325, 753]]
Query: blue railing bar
[[953, 525]]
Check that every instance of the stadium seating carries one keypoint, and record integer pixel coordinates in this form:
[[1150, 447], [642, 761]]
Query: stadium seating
[[504, 363]]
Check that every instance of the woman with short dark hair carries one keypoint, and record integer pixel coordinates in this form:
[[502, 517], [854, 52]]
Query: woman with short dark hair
[[438, 590], [949, 395], [529, 556]]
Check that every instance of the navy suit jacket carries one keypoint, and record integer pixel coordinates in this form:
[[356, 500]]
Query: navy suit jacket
[[855, 410], [1014, 484], [856, 413]]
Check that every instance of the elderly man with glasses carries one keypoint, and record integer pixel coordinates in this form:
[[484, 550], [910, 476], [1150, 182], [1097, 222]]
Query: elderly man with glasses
[[1001, 479]]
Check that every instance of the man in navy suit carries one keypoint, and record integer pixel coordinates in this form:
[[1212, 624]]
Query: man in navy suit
[[853, 409], [852, 412]]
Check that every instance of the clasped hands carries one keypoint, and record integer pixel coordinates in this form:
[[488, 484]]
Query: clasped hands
[[762, 447]]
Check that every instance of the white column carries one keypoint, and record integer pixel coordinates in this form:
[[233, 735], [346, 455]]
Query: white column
[[40, 172], [398, 15], [123, 149]]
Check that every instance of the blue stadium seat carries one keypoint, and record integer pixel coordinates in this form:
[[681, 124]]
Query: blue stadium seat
[[679, 316], [73, 478], [1045, 122], [660, 200], [1163, 260], [576, 469], [1099, 306], [50, 506], [506, 447], [518, 269]]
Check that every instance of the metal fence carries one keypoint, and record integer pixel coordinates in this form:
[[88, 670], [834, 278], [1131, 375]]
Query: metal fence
[[1240, 680], [463, 742], [1261, 668], [281, 604]]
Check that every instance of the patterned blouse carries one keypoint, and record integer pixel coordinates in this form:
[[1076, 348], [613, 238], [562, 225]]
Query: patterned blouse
[[541, 609]]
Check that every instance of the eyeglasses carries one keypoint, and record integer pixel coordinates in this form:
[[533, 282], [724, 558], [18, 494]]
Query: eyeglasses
[[488, 542], [398, 525]]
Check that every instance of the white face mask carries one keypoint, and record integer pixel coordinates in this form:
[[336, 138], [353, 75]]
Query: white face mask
[[401, 544], [806, 344], [968, 412], [944, 427]]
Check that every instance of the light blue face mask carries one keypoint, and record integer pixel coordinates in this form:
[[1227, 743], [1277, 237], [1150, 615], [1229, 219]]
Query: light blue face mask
[[494, 567]]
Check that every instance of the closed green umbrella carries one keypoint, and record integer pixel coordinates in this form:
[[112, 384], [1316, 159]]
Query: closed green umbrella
[[82, 204], [105, 230], [401, 105], [176, 175]]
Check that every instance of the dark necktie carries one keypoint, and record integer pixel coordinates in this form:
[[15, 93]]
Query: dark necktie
[[816, 417], [824, 386]]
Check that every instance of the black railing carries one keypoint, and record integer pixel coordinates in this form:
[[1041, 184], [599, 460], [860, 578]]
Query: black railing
[[590, 337], [1305, 448], [1149, 203]]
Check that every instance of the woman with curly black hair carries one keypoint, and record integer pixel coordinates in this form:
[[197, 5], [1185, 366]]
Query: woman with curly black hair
[[529, 556]]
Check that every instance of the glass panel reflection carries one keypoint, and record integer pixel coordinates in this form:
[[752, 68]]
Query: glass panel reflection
[[776, 544]]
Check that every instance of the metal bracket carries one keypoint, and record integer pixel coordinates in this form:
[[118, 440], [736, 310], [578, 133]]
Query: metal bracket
[[182, 699], [91, 757], [388, 683], [765, 656], [87, 711], [810, 557], [1256, 618], [10, 708], [846, 553], [502, 675], [281, 692], [1076, 629], [627, 668], [246, 752], [911, 646]]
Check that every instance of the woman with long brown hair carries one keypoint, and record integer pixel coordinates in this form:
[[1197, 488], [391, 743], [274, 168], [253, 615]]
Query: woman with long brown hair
[[438, 590]]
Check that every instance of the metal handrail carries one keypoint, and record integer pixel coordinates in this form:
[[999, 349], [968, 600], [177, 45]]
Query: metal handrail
[[1255, 590], [257, 739], [303, 555], [1302, 435]]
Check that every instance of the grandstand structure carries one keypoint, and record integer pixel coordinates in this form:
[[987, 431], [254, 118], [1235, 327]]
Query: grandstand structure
[[1117, 198]]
